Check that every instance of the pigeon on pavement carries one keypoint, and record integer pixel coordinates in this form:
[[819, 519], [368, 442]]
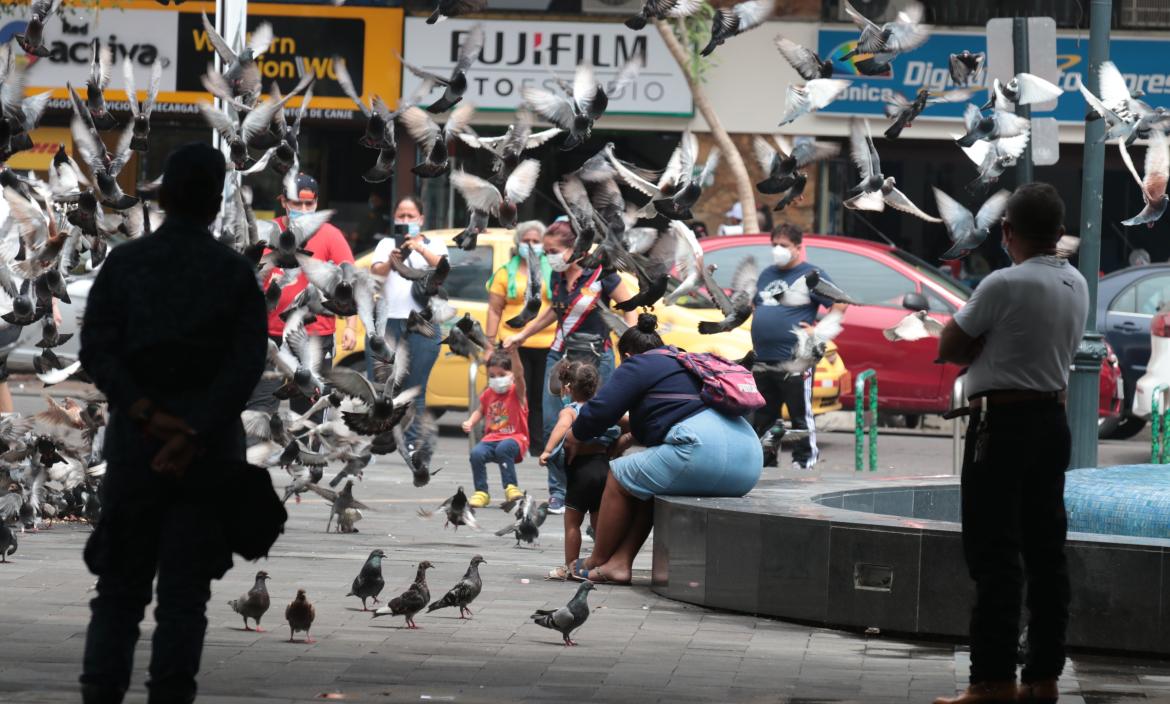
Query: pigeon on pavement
[[457, 510], [411, 601], [568, 618], [464, 592], [369, 582], [300, 614], [254, 603], [529, 518]]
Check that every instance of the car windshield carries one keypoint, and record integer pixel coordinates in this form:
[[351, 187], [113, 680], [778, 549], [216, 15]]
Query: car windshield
[[932, 273]]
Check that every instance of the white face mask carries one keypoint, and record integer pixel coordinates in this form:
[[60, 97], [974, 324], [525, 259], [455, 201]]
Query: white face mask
[[781, 256], [527, 248], [500, 384], [557, 261]]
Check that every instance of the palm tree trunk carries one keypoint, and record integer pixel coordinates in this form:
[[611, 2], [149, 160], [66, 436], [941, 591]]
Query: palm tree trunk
[[743, 182]]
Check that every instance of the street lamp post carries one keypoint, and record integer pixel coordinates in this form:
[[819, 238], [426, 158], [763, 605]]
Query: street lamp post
[[1086, 368]]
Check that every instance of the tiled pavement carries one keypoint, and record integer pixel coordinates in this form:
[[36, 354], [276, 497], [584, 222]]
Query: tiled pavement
[[636, 647]]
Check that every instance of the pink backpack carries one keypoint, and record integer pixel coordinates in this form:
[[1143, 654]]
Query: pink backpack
[[726, 386]]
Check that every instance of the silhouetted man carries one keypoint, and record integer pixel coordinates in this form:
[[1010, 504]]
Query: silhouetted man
[[176, 349]]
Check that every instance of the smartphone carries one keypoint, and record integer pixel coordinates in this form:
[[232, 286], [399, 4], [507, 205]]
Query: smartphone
[[400, 232]]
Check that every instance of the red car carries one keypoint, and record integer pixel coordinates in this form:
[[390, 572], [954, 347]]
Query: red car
[[880, 277]]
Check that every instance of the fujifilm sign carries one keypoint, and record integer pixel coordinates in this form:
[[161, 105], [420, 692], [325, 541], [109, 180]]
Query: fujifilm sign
[[516, 54]]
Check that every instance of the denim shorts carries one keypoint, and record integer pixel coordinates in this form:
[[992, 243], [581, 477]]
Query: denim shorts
[[708, 454]]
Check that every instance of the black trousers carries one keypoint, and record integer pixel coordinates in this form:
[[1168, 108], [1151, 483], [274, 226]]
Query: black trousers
[[780, 389], [131, 544], [534, 359], [1014, 527]]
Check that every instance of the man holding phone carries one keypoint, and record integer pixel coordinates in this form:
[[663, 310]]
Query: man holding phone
[[413, 249]]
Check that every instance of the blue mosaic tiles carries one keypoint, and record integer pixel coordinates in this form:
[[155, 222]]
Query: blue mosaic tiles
[[1132, 499]]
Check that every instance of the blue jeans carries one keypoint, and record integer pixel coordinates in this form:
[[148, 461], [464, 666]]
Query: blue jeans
[[557, 481], [708, 454], [424, 351], [503, 453]]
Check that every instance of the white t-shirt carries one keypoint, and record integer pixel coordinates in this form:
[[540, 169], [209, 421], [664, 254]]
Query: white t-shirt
[[397, 289], [1032, 315]]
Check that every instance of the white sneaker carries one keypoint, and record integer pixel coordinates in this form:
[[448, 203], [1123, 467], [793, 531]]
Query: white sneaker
[[797, 466]]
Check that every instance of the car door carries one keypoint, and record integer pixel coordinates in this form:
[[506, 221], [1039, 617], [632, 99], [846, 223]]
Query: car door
[[907, 378], [1127, 321], [447, 386]]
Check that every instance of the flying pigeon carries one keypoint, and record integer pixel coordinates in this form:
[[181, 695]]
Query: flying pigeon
[[916, 326], [875, 191], [661, 10], [782, 161], [32, 39], [141, 111], [968, 231], [455, 85], [8, 541], [300, 614], [1022, 89], [241, 72], [1153, 185], [568, 618], [579, 105], [812, 96], [805, 61], [507, 149], [412, 600], [993, 159], [810, 344], [464, 592], [455, 8], [965, 67], [737, 19], [736, 309], [904, 111], [998, 124], [433, 140], [481, 196], [254, 603], [342, 502], [529, 518], [369, 582], [678, 205], [457, 510], [906, 33]]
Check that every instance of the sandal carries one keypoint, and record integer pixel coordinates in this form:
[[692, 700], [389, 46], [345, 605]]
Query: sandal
[[580, 574], [560, 573]]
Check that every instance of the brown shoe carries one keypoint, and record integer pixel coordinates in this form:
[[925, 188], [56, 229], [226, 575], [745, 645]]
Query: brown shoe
[[1040, 692], [984, 693]]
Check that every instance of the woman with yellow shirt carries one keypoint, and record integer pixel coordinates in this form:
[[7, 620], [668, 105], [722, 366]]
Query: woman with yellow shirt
[[506, 297]]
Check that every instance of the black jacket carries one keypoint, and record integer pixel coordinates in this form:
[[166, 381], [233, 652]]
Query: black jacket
[[178, 318]]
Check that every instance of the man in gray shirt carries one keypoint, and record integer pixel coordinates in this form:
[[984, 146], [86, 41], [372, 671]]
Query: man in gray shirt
[[1017, 335]]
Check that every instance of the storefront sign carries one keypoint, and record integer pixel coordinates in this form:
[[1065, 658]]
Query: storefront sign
[[45, 140], [516, 54], [1141, 61], [367, 37]]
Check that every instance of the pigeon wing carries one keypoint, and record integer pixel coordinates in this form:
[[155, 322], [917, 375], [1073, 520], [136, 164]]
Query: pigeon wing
[[1157, 166], [1114, 91], [764, 152], [217, 42], [522, 181], [421, 127], [991, 210], [859, 150], [353, 384], [470, 48], [804, 60], [1034, 89], [899, 201], [958, 219], [753, 13], [557, 109], [480, 195], [260, 39]]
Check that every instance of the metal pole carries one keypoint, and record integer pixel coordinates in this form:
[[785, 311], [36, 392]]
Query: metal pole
[[1086, 368], [1021, 64]]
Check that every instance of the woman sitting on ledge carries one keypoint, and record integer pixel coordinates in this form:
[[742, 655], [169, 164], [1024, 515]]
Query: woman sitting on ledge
[[692, 449]]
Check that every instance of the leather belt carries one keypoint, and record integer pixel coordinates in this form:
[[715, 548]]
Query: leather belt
[[996, 398]]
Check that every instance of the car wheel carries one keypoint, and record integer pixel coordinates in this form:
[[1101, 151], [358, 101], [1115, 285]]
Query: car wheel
[[913, 420], [1128, 427], [1107, 427]]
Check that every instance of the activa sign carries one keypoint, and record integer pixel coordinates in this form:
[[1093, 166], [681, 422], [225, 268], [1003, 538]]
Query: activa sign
[[516, 54]]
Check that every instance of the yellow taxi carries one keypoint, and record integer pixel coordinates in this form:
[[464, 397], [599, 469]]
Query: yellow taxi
[[449, 384]]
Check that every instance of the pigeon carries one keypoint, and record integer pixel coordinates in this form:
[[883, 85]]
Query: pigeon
[[287, 243], [342, 501], [1022, 89], [568, 618], [812, 96], [965, 67], [369, 582], [21, 114], [472, 329], [254, 603], [1124, 114], [968, 231], [418, 458], [140, 112], [904, 111], [581, 104], [1067, 246], [533, 295], [300, 614], [104, 166], [875, 191], [382, 405], [8, 542], [411, 601], [826, 289], [341, 284], [32, 38], [457, 510], [303, 476], [455, 85], [1153, 185], [916, 326], [905, 34], [507, 149], [65, 177], [483, 197], [461, 345], [661, 10], [782, 161], [737, 19], [455, 8], [794, 193], [432, 139], [805, 61], [379, 133], [253, 130], [529, 518], [736, 309], [998, 124], [100, 67], [241, 72], [678, 205], [464, 592], [993, 159], [56, 376], [810, 344]]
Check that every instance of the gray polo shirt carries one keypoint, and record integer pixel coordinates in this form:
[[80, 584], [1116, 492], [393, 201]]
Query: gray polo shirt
[[1032, 316]]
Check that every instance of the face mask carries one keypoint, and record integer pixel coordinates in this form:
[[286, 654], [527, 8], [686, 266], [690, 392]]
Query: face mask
[[500, 384], [557, 261], [294, 214], [781, 256], [566, 400], [528, 249]]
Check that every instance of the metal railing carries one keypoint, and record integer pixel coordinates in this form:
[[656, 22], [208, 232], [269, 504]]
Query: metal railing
[[861, 427], [1159, 420], [958, 425]]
